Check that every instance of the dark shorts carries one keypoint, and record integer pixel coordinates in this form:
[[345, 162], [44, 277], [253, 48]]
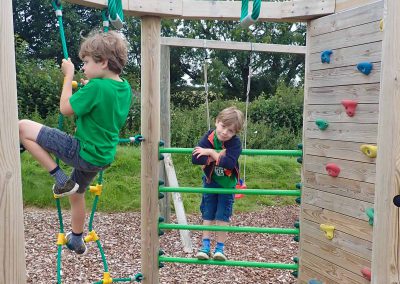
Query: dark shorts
[[66, 148], [216, 206]]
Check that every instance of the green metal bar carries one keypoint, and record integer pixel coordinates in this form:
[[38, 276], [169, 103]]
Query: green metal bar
[[281, 192], [247, 152], [289, 266], [286, 231]]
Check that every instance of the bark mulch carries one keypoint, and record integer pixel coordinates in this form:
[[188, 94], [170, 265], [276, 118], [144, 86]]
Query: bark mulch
[[120, 238]]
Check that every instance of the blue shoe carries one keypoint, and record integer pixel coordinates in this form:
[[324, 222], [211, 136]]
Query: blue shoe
[[70, 187], [203, 254], [219, 255], [76, 244]]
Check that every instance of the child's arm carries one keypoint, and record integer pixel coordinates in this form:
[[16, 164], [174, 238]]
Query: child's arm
[[228, 157], [202, 159], [68, 69]]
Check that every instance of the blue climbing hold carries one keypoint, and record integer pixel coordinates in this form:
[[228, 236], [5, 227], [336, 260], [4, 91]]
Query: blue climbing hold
[[364, 67], [314, 281], [326, 56]]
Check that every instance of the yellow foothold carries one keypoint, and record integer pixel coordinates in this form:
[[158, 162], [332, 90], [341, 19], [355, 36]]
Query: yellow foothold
[[96, 189], [91, 237], [381, 25], [369, 150], [61, 239], [74, 85], [107, 278], [328, 229]]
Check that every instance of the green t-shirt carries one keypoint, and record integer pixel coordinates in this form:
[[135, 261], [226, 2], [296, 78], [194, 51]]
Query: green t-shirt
[[101, 107], [219, 175]]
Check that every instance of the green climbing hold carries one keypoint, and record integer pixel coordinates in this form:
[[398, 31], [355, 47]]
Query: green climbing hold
[[298, 200], [160, 195], [322, 124], [300, 160], [296, 238], [295, 259], [299, 185], [297, 224], [161, 219], [370, 214]]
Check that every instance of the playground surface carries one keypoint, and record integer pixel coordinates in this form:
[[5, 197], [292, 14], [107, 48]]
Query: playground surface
[[120, 237]]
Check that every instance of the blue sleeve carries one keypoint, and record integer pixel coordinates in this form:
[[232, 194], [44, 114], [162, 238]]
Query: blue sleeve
[[233, 150], [204, 143]]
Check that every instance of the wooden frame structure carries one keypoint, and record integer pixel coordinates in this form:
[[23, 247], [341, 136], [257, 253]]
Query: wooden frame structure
[[334, 25]]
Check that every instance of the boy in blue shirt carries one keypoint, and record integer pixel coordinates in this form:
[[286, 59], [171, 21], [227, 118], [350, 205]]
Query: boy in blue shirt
[[218, 151], [101, 108]]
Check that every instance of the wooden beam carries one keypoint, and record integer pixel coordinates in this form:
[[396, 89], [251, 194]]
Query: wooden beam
[[288, 11], [386, 236], [232, 45], [150, 125], [12, 256]]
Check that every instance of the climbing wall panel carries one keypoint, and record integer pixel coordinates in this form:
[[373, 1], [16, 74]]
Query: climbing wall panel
[[340, 115]]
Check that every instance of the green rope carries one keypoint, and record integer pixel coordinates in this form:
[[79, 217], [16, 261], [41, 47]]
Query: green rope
[[58, 9], [116, 13], [247, 19], [106, 22]]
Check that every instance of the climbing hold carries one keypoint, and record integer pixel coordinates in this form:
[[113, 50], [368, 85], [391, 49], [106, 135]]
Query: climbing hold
[[107, 278], [369, 150], [160, 265], [366, 273], [299, 185], [300, 160], [381, 25], [364, 67], [326, 56], [240, 185], [61, 239], [322, 124], [139, 277], [161, 157], [161, 252], [296, 238], [396, 200], [314, 281], [160, 232], [161, 143], [96, 189], [160, 195], [297, 224], [370, 214], [160, 182], [332, 169], [350, 107], [295, 259], [328, 229], [91, 237], [298, 200], [300, 146], [295, 273], [161, 219]]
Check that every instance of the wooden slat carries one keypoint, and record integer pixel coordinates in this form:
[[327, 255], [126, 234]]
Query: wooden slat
[[347, 37], [349, 56], [306, 274], [347, 224], [365, 113], [348, 75], [364, 133], [233, 45], [334, 273], [348, 169], [342, 5], [333, 202], [336, 149], [344, 20], [348, 243], [345, 187], [365, 93]]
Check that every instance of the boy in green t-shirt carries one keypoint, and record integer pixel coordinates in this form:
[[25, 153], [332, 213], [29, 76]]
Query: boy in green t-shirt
[[218, 151], [101, 107]]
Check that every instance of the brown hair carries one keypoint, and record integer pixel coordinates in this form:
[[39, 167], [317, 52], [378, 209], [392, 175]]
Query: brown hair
[[231, 116], [109, 46]]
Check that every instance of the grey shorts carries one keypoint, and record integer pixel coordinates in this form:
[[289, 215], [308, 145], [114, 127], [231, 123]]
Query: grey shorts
[[66, 148]]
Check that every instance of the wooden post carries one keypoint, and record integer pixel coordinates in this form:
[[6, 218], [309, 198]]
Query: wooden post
[[165, 89], [385, 248], [150, 125], [12, 255]]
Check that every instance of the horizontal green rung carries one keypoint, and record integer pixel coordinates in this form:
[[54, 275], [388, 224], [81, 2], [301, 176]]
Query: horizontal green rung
[[248, 152], [288, 192], [286, 231], [289, 266]]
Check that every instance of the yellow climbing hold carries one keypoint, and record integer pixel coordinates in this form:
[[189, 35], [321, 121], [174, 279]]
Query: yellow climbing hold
[[381, 25], [369, 150], [107, 278], [61, 240], [328, 229], [91, 237], [96, 189]]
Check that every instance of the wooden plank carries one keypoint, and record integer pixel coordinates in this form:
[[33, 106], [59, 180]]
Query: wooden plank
[[333, 202], [232, 45], [365, 93], [348, 169], [336, 149], [12, 255], [342, 5], [348, 75], [335, 255], [365, 113], [347, 37], [334, 273], [344, 20], [150, 126], [306, 274], [349, 56], [348, 243], [346, 224], [364, 133], [344, 187], [386, 252]]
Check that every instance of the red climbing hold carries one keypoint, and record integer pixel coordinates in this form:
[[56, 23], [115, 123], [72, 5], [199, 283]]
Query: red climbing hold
[[366, 272], [332, 169], [350, 107]]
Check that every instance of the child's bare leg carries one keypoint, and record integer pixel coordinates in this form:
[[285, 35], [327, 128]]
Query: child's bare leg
[[207, 234], [28, 133], [77, 201], [221, 236]]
